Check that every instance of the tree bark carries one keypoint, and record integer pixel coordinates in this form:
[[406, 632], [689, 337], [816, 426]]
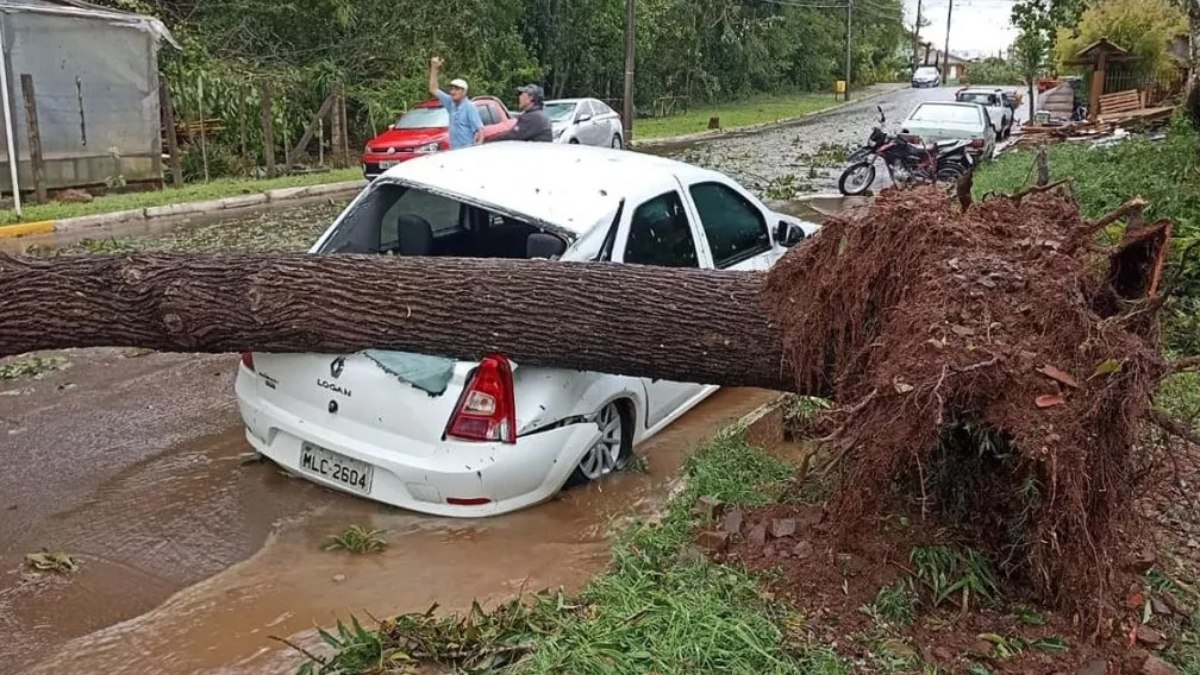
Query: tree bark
[[671, 324]]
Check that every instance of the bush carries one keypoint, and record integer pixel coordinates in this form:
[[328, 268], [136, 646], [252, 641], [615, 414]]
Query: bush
[[994, 71], [222, 161]]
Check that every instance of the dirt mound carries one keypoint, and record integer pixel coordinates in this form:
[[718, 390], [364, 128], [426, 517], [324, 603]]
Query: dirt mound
[[993, 364]]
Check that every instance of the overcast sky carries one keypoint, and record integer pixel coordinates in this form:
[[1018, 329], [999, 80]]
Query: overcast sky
[[977, 27]]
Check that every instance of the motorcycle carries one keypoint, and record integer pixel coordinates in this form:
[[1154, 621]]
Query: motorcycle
[[907, 160]]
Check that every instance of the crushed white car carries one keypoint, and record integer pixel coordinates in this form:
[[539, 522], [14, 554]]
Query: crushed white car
[[469, 439]]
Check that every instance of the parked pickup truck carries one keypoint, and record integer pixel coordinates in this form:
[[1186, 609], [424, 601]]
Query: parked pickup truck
[[997, 104], [425, 129]]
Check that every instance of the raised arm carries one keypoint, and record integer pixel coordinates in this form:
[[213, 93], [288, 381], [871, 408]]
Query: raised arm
[[435, 67]]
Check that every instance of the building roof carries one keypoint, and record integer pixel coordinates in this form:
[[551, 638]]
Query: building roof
[[87, 10], [1091, 53], [569, 186]]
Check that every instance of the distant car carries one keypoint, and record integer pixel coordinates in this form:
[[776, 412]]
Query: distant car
[[936, 121], [1000, 110], [926, 76], [585, 121], [475, 438], [425, 129]]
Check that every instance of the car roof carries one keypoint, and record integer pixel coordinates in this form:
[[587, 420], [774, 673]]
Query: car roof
[[979, 90], [570, 186], [434, 103]]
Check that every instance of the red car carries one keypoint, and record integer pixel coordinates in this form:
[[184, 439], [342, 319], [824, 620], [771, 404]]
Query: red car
[[425, 129]]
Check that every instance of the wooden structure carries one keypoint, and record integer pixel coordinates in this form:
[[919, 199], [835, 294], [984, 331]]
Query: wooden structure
[[1099, 56], [1120, 102]]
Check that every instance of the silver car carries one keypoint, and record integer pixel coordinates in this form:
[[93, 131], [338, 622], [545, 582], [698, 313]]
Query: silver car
[[933, 121], [585, 121]]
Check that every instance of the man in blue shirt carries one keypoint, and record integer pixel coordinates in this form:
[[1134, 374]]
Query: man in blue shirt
[[466, 127]]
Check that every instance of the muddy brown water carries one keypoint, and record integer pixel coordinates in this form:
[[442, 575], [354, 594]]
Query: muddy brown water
[[191, 557]]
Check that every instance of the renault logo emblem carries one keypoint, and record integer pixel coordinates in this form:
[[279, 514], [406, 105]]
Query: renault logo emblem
[[335, 368]]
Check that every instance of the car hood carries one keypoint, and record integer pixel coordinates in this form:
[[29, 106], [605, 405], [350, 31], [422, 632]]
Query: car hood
[[408, 138]]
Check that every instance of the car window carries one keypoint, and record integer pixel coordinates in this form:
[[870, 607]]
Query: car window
[[659, 234], [424, 118], [441, 213], [486, 113], [735, 228], [559, 111]]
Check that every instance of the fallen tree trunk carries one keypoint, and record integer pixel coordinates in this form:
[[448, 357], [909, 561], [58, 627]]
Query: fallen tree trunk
[[682, 325]]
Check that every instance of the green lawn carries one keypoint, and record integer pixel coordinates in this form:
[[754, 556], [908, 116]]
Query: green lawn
[[193, 192], [757, 110]]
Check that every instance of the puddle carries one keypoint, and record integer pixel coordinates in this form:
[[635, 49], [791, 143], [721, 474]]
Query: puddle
[[222, 625]]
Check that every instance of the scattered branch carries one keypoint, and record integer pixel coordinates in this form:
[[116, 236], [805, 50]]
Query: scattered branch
[[1174, 427], [302, 650], [1186, 365]]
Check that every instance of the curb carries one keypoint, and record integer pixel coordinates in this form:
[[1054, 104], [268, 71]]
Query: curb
[[753, 128], [167, 211]]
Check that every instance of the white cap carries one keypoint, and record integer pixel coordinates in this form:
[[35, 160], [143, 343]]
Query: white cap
[[459, 83]]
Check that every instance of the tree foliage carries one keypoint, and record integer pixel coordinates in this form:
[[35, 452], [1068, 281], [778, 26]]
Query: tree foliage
[[709, 50], [1144, 27]]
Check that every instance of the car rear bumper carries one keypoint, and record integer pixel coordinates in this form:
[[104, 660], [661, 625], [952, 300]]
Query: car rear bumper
[[374, 165], [510, 477]]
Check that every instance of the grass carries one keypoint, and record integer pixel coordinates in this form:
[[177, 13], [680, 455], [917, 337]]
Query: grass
[[661, 608], [951, 572], [357, 539], [748, 112], [895, 604], [192, 192]]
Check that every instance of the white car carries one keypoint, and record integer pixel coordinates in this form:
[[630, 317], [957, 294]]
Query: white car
[[999, 111], [933, 121], [585, 121], [469, 439]]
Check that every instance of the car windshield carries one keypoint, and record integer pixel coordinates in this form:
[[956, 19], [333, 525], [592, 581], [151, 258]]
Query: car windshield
[[424, 118], [980, 97], [926, 72], [955, 114], [558, 112]]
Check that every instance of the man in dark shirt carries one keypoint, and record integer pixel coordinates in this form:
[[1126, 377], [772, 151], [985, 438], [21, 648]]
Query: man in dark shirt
[[532, 125]]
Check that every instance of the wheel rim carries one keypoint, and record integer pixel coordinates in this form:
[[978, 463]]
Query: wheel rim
[[605, 455], [857, 179]]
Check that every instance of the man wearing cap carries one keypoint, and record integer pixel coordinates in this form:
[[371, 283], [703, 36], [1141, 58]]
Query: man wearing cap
[[533, 124], [466, 127]]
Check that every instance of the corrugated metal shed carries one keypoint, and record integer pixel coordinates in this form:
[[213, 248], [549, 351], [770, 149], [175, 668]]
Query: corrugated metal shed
[[95, 76]]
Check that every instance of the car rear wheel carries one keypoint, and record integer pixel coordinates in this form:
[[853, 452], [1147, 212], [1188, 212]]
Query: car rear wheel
[[611, 452], [616, 142], [573, 141]]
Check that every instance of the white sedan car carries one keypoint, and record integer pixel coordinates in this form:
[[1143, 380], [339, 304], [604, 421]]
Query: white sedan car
[[469, 439], [585, 121], [936, 121]]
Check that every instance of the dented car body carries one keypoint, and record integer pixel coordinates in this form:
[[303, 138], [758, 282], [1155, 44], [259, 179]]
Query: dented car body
[[470, 439]]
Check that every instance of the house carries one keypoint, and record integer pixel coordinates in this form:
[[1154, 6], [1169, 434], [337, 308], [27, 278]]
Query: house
[[928, 55], [94, 76]]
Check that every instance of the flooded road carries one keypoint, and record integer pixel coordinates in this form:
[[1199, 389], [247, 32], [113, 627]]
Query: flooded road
[[174, 520], [191, 556]]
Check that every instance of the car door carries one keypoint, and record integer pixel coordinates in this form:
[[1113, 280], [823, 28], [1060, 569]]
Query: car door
[[734, 226], [596, 127], [659, 232]]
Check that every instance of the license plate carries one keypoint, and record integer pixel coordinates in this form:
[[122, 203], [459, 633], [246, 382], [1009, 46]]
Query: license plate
[[338, 468], [388, 164]]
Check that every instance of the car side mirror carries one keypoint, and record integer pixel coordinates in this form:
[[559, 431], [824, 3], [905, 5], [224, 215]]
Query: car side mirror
[[583, 117], [788, 234]]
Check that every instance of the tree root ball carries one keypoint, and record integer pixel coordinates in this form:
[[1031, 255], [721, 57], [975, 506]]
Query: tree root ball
[[922, 319]]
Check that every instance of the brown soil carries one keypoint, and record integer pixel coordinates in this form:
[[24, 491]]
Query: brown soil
[[937, 329]]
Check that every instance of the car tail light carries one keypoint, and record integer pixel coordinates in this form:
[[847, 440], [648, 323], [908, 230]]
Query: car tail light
[[487, 409], [248, 360], [977, 143], [910, 138]]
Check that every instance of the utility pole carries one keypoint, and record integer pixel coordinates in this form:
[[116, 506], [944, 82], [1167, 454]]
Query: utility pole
[[946, 53], [849, 9], [627, 104], [917, 37]]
